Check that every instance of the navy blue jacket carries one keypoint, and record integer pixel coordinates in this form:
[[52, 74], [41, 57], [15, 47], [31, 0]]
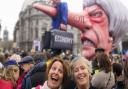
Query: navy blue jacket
[[36, 76]]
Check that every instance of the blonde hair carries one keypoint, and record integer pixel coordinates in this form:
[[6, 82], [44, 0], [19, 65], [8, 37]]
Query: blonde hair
[[83, 60], [7, 73], [65, 73]]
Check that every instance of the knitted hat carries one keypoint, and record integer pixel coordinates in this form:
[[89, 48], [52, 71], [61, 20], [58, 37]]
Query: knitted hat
[[99, 50], [10, 62]]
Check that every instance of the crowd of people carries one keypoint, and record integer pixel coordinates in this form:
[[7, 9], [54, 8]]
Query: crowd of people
[[102, 24], [41, 70]]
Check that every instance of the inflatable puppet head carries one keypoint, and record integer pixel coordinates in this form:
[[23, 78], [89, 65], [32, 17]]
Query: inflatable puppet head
[[102, 23]]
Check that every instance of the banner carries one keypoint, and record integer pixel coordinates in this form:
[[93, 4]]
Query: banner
[[58, 40], [36, 45], [61, 40]]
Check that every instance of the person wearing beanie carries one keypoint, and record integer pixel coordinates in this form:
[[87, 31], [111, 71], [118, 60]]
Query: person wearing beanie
[[10, 62], [9, 75], [99, 50]]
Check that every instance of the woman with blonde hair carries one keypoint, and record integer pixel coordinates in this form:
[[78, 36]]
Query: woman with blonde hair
[[9, 75], [81, 72]]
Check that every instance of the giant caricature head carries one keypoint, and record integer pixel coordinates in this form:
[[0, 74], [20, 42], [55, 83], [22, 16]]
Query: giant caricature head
[[102, 24], [105, 24]]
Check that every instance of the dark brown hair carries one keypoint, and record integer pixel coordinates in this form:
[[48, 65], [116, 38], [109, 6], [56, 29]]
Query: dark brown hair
[[2, 58], [65, 73], [126, 68], [126, 73], [104, 62]]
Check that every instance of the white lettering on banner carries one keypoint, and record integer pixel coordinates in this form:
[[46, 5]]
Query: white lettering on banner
[[63, 39]]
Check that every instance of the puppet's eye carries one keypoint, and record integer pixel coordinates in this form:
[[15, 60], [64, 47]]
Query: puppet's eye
[[96, 14]]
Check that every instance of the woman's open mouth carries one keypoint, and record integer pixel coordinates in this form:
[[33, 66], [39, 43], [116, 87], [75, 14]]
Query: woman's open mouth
[[55, 79]]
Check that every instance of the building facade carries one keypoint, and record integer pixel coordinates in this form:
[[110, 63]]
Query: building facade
[[30, 26], [6, 35]]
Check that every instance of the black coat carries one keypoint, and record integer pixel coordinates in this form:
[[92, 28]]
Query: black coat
[[36, 76], [119, 85]]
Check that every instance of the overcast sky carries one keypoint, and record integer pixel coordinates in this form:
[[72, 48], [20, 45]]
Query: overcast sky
[[10, 9]]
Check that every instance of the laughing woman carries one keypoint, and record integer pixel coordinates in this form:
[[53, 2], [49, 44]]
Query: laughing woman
[[57, 75], [81, 72]]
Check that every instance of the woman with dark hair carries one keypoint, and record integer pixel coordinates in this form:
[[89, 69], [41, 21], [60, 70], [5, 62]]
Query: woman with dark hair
[[119, 80], [57, 75], [105, 78]]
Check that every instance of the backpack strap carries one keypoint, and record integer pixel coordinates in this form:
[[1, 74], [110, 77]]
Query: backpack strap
[[108, 81]]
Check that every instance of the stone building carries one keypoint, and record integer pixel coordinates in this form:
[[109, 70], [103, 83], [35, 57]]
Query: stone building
[[32, 24], [6, 35]]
